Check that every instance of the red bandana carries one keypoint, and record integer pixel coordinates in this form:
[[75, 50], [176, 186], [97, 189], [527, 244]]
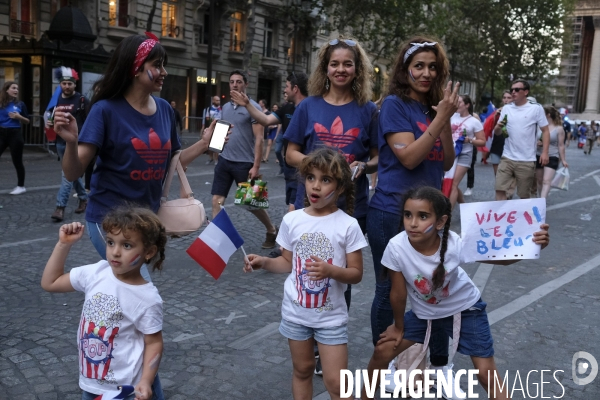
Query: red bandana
[[142, 52]]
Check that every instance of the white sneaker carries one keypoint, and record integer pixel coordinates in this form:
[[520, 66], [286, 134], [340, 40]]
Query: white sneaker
[[468, 192], [390, 387], [457, 392], [19, 190]]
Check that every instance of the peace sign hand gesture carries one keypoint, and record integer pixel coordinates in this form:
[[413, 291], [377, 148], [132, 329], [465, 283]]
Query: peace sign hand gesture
[[449, 103]]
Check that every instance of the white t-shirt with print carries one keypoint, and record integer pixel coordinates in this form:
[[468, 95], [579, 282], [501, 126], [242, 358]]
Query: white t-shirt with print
[[522, 127], [114, 320], [317, 304], [469, 123], [458, 293]]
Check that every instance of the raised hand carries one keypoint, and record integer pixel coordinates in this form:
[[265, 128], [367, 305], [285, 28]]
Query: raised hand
[[65, 125], [70, 233], [239, 98], [449, 103]]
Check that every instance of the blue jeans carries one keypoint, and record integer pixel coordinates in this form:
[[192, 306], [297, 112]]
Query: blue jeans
[[97, 235], [62, 197], [278, 150], [381, 227], [157, 392]]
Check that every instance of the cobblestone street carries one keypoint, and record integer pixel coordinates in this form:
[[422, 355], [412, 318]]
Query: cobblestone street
[[221, 338]]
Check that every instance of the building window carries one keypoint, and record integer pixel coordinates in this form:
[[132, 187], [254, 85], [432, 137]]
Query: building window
[[20, 17], [269, 47], [169, 19], [202, 32], [236, 32], [118, 11]]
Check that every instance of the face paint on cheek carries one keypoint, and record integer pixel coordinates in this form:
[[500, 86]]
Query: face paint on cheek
[[135, 260], [411, 75], [330, 195], [150, 75], [428, 229]]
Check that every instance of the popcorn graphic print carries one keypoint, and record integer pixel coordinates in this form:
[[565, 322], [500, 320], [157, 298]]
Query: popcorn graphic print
[[312, 294], [99, 326]]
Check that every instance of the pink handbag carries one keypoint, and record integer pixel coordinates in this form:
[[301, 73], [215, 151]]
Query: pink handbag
[[184, 215]]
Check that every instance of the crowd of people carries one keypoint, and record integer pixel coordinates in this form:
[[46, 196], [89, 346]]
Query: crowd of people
[[328, 137]]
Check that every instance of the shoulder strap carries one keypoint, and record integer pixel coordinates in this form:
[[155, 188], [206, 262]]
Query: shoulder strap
[[185, 190]]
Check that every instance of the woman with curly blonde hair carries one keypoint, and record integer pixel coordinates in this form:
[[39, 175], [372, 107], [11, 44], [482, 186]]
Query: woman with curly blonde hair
[[339, 114]]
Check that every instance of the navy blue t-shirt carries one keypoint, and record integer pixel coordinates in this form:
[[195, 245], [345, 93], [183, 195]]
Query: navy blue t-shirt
[[134, 151], [349, 128], [393, 178]]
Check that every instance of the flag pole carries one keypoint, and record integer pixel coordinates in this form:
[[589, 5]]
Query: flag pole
[[241, 247]]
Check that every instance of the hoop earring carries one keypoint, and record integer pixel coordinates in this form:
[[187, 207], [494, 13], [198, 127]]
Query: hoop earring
[[327, 84]]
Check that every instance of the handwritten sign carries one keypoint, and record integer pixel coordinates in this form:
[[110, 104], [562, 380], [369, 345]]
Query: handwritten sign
[[501, 230]]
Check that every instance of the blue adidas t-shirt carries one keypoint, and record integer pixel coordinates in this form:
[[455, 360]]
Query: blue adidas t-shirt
[[8, 122], [350, 128], [393, 178], [134, 151]]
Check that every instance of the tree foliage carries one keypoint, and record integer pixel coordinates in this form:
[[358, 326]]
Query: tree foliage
[[487, 40]]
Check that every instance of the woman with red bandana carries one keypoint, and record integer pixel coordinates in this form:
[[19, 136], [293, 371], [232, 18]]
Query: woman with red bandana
[[132, 132]]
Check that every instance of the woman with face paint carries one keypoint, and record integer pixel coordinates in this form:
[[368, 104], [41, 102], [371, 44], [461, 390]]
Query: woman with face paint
[[415, 148], [134, 135], [132, 132]]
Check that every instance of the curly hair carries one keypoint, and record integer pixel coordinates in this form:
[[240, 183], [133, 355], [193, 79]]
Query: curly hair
[[130, 218], [399, 77], [441, 206], [4, 96], [364, 70], [332, 163]]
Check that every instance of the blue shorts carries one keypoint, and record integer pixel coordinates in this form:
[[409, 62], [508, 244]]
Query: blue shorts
[[329, 336], [494, 159], [475, 334]]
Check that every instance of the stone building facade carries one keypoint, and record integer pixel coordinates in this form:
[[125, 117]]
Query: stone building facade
[[38, 36]]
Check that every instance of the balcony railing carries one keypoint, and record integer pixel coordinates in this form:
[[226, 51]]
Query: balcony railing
[[22, 27], [171, 31]]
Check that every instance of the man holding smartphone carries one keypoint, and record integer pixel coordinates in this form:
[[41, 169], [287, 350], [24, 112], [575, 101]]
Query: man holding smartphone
[[242, 155], [296, 91]]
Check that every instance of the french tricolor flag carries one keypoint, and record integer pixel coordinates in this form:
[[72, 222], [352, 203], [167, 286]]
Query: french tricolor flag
[[216, 244], [122, 392]]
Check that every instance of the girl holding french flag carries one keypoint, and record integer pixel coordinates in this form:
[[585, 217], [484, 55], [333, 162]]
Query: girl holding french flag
[[322, 252]]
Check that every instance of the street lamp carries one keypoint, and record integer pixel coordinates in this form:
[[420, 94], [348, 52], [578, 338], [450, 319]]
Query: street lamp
[[299, 6]]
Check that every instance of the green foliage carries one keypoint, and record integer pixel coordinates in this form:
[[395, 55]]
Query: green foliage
[[486, 40]]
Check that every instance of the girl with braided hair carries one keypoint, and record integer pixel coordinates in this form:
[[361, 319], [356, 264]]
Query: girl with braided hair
[[423, 262], [322, 253]]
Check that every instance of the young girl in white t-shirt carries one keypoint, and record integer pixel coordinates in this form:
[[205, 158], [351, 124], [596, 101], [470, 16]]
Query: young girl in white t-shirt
[[426, 267], [322, 252], [120, 330]]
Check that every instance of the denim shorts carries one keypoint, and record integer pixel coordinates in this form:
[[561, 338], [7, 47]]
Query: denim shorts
[[475, 334], [494, 159], [226, 173], [329, 336], [464, 159], [291, 187]]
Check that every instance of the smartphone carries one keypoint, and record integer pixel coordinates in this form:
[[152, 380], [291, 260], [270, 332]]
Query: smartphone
[[218, 137]]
